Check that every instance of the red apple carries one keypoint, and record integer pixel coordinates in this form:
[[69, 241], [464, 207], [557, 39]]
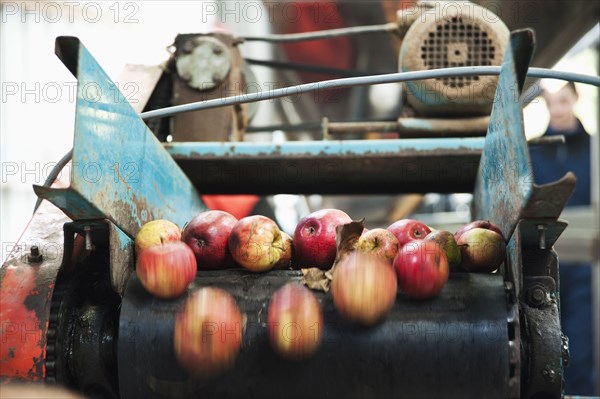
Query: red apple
[[314, 238], [483, 224], [482, 250], [295, 321], [363, 288], [208, 332], [407, 230], [422, 269], [380, 242], [166, 270], [156, 232], [446, 241], [256, 243], [207, 235], [285, 262]]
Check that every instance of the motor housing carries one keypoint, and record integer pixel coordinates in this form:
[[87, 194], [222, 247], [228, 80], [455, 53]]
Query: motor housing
[[450, 34]]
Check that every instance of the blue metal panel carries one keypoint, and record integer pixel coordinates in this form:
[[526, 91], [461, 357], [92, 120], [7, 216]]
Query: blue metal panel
[[505, 190], [121, 258], [121, 168], [504, 181], [70, 202]]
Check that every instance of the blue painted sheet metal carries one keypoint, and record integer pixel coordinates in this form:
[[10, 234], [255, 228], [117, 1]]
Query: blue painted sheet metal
[[121, 258], [122, 168], [323, 148], [71, 203], [505, 180]]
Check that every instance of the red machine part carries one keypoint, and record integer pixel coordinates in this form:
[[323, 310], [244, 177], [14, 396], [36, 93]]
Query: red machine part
[[23, 342], [239, 206], [25, 295], [334, 53]]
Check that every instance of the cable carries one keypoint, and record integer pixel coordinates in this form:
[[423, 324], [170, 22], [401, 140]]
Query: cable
[[299, 127], [544, 73], [336, 83], [324, 34], [362, 81]]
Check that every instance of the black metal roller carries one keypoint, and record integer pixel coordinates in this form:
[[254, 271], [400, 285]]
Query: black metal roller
[[453, 346]]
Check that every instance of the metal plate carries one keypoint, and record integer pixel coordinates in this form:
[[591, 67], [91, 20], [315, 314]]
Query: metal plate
[[505, 191], [121, 172], [504, 181], [203, 62]]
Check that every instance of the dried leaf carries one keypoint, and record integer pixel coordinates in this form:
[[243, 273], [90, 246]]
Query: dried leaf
[[347, 236], [314, 278]]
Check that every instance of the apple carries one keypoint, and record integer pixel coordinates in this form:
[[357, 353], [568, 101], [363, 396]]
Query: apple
[[314, 238], [256, 243], [363, 287], [166, 270], [422, 269], [156, 232], [285, 262], [483, 224], [295, 322], [407, 230], [380, 242], [208, 332], [207, 235], [448, 244], [482, 250]]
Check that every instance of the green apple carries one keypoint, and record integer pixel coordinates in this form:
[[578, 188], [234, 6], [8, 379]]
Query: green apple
[[446, 241]]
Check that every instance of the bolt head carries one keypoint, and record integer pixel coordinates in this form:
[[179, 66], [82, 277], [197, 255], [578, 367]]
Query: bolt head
[[34, 255], [537, 296]]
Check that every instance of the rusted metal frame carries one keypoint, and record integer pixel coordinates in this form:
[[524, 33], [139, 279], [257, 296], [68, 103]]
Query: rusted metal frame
[[413, 127], [331, 167]]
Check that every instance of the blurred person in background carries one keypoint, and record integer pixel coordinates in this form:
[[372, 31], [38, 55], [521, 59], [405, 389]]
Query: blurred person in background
[[550, 162]]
